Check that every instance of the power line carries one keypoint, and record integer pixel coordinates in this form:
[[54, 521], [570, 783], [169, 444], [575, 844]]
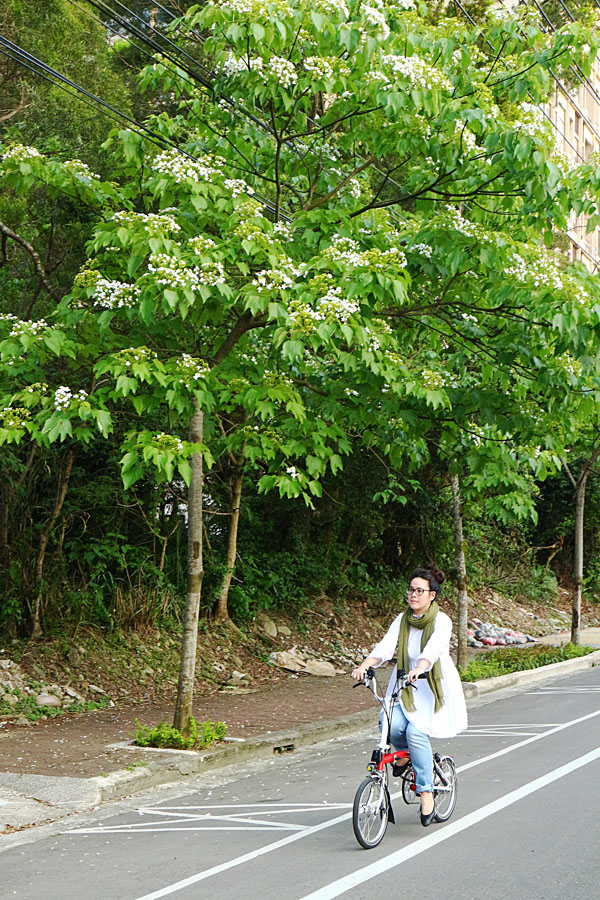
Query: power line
[[555, 125], [38, 67], [18, 55], [576, 69]]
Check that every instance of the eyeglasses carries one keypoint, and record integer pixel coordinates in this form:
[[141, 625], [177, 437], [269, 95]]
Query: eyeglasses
[[418, 592]]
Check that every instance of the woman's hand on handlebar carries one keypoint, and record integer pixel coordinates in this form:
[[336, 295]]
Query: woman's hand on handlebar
[[359, 673], [414, 674]]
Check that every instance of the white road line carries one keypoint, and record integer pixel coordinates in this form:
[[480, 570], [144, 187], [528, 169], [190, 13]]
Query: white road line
[[265, 805], [497, 733], [531, 740], [247, 857], [336, 888], [276, 845], [266, 810], [513, 725]]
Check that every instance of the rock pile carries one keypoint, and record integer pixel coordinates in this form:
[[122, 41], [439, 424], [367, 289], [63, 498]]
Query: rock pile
[[15, 686], [486, 634], [332, 659]]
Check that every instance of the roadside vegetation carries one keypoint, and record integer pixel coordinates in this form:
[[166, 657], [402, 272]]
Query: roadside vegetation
[[510, 659], [201, 735]]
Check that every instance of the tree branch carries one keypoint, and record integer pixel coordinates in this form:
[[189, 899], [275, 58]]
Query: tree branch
[[9, 233]]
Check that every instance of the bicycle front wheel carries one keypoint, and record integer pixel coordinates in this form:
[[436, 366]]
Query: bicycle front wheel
[[370, 812], [444, 793]]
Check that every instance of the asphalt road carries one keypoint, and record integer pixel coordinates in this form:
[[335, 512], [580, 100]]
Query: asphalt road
[[526, 824]]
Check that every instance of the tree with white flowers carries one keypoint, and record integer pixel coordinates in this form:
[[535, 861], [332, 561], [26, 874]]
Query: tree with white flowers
[[349, 234]]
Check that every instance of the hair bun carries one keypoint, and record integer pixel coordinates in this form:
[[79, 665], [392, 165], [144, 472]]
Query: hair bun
[[438, 575]]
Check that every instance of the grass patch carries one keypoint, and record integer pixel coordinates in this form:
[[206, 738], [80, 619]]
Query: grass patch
[[511, 659], [202, 734], [28, 707]]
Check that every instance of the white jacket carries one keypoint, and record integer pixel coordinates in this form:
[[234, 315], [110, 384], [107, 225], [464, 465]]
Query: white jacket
[[452, 717]]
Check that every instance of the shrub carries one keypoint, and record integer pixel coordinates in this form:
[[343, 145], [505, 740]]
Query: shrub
[[513, 659], [202, 734]]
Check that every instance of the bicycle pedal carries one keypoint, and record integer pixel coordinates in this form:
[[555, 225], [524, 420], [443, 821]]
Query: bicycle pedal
[[398, 771]]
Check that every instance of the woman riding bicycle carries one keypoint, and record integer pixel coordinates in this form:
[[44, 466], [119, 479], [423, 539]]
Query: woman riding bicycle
[[437, 709]]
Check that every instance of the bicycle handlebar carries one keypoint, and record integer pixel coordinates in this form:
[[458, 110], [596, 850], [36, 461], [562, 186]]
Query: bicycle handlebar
[[402, 678]]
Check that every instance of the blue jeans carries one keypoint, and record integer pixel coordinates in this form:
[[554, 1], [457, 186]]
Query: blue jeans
[[405, 736]]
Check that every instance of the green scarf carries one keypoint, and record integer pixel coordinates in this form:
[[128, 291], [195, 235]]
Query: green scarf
[[425, 624]]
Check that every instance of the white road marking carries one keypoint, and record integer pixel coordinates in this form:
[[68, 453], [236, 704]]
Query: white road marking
[[498, 733], [247, 857], [210, 821], [530, 740], [558, 690], [276, 845], [342, 885]]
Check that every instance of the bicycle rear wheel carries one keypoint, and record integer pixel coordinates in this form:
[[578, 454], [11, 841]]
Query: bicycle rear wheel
[[370, 812], [444, 794]]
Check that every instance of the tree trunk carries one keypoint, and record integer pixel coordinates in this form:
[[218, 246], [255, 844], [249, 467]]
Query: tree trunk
[[222, 610], [63, 484], [189, 641], [578, 558], [463, 599]]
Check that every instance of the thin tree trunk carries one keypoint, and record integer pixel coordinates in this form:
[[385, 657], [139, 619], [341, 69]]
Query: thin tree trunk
[[579, 484], [463, 599], [189, 641], [578, 558], [4, 547], [222, 610], [63, 484]]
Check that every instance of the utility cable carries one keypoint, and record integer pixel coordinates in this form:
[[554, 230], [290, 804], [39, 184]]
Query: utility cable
[[576, 69], [18, 55], [38, 67], [466, 14]]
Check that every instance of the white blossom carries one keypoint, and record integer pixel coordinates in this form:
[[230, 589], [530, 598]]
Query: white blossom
[[284, 71], [192, 367], [150, 222], [20, 327], [63, 397], [181, 168], [238, 186], [415, 70], [80, 169], [173, 273], [115, 294], [376, 17], [422, 249], [20, 153]]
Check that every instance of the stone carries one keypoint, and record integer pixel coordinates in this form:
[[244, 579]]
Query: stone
[[73, 695], [267, 625], [239, 678], [95, 689], [48, 700], [283, 629], [11, 699], [320, 667], [74, 657], [286, 660], [237, 662]]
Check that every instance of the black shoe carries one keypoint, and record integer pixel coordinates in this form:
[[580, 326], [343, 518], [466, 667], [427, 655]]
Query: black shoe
[[427, 819], [399, 768]]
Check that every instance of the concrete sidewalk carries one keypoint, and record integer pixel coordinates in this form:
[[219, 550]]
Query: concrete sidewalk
[[28, 800]]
